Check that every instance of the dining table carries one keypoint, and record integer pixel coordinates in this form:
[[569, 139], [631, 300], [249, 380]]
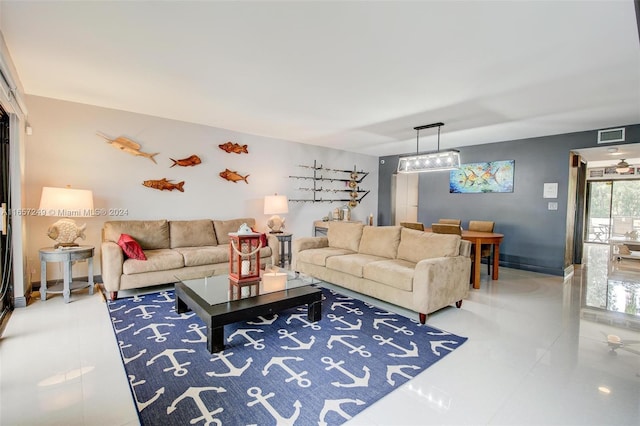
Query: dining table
[[477, 238]]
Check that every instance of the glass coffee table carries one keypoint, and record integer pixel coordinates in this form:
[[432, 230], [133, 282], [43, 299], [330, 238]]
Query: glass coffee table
[[218, 302]]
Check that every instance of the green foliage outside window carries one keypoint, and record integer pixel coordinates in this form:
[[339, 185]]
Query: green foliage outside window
[[626, 199]]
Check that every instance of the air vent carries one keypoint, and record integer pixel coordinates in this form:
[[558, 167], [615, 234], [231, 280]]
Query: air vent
[[611, 135]]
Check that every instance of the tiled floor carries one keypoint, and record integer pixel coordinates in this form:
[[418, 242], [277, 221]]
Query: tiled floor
[[537, 354]]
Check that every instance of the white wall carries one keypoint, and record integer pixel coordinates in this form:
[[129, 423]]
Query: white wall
[[65, 150]]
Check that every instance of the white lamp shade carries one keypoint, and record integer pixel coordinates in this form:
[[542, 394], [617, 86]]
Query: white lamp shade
[[66, 202], [276, 204]]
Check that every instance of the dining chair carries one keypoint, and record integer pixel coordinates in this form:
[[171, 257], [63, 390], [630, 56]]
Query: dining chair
[[485, 249], [451, 221], [446, 228], [413, 225]]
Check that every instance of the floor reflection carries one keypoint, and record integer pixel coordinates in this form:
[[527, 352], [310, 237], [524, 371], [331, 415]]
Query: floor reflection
[[610, 295]]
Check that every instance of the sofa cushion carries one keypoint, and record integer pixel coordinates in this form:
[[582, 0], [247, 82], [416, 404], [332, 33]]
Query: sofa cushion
[[380, 241], [130, 247], [395, 273], [416, 245], [150, 234], [206, 255], [351, 264], [319, 256], [157, 260], [192, 233], [345, 235], [224, 227]]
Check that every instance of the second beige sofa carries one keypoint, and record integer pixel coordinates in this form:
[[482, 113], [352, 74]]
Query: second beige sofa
[[417, 270]]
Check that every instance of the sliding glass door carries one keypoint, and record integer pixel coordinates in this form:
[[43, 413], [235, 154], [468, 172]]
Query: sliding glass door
[[613, 210], [6, 271]]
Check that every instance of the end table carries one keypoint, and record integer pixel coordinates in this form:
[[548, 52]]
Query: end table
[[67, 256], [285, 247]]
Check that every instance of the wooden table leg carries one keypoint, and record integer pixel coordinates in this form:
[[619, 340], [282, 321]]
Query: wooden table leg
[[314, 311], [215, 339], [43, 280], [90, 277], [496, 261], [68, 278], [476, 266]]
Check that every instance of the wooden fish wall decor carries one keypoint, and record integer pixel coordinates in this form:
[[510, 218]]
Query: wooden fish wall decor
[[185, 162], [128, 146], [162, 184], [234, 148], [232, 176]]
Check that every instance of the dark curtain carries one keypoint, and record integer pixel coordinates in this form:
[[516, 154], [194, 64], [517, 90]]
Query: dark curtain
[[6, 270]]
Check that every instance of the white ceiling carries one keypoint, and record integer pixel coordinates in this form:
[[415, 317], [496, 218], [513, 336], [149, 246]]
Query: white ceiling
[[357, 76]]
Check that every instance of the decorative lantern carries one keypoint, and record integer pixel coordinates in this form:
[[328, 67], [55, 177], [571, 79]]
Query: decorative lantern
[[244, 258]]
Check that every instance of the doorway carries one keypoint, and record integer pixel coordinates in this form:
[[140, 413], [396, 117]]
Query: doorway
[[6, 270], [613, 210], [404, 190]]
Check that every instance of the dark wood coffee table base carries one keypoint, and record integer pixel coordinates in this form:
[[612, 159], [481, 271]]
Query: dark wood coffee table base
[[217, 316]]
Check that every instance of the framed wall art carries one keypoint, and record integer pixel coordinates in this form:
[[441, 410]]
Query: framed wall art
[[473, 178]]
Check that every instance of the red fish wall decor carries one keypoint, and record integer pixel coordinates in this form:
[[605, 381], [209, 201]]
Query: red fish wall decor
[[185, 162], [232, 176], [233, 148], [162, 184]]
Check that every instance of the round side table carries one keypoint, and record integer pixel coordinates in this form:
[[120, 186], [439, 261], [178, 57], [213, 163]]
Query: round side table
[[67, 256], [285, 248]]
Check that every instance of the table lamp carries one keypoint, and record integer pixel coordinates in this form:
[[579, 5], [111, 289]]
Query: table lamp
[[66, 203], [275, 205]]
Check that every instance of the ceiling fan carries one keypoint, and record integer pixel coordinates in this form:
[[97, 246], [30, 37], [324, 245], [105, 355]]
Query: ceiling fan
[[622, 167]]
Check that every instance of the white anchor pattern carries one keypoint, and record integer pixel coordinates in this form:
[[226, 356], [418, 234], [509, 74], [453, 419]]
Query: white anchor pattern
[[275, 370]]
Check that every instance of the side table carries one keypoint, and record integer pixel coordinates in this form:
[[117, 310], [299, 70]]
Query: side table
[[285, 247], [67, 256]]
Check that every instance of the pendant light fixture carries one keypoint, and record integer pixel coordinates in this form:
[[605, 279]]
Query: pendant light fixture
[[429, 161]]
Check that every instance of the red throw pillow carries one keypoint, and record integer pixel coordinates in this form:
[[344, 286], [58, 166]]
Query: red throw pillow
[[263, 237], [131, 248]]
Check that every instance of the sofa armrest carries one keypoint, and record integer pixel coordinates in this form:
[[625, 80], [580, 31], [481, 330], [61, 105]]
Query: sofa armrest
[[306, 243], [111, 260], [441, 281]]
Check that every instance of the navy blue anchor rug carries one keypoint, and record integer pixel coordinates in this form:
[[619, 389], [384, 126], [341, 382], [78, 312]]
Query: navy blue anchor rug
[[277, 370]]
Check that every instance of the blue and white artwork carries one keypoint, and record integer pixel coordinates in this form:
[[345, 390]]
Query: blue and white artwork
[[492, 176]]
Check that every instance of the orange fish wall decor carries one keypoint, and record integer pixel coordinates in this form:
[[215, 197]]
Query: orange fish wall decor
[[232, 176], [234, 148], [185, 162], [162, 184]]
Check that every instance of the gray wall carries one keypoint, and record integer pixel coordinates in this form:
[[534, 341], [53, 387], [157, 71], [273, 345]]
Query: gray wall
[[534, 236]]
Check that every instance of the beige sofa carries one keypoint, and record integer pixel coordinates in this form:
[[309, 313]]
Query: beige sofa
[[183, 248], [417, 270]]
